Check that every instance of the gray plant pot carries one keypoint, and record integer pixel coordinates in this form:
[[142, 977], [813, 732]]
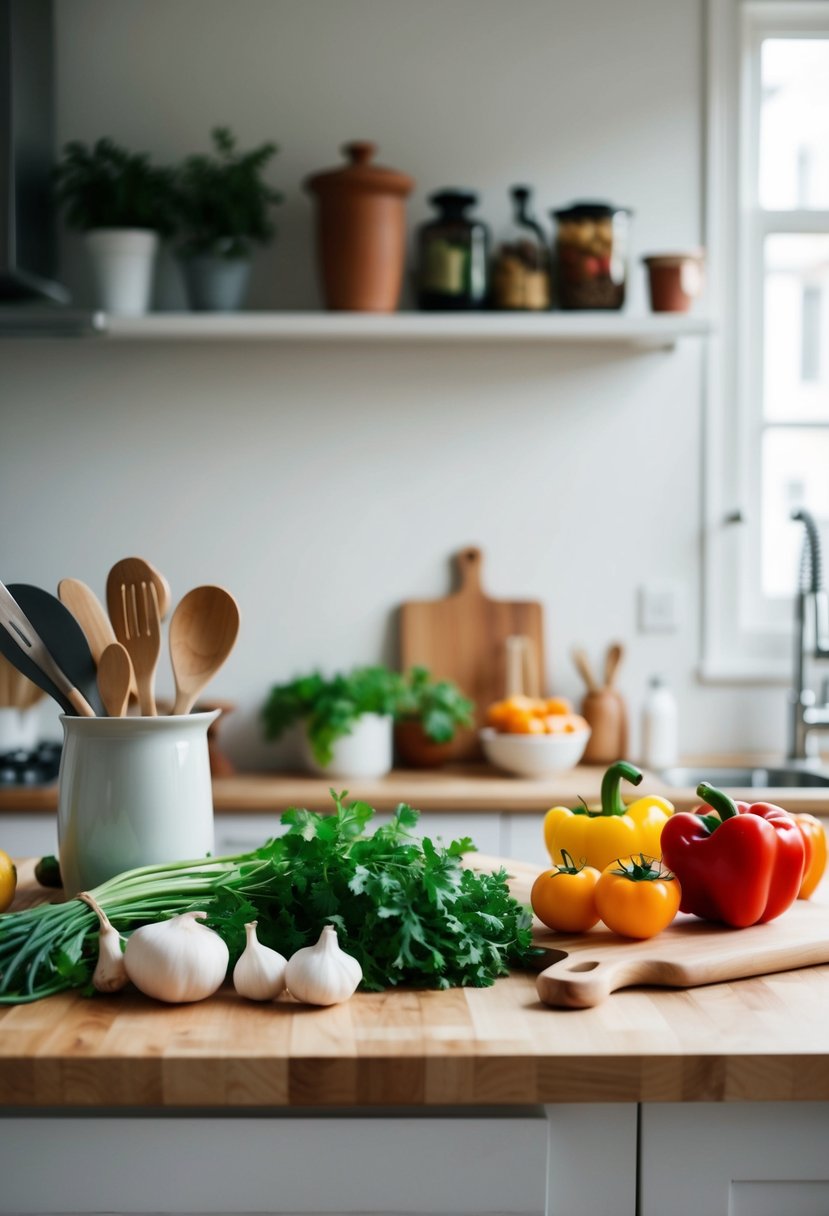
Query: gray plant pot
[[216, 284]]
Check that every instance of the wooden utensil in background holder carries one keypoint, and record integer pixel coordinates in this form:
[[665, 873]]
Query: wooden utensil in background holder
[[462, 638], [522, 667], [604, 709]]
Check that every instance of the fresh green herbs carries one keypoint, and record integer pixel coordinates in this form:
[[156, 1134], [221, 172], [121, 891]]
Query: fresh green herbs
[[105, 186], [330, 707], [439, 705], [223, 201], [406, 908]]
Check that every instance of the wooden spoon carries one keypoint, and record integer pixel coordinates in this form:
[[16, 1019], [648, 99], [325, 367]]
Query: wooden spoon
[[91, 615], [115, 675], [203, 631], [615, 654], [582, 664]]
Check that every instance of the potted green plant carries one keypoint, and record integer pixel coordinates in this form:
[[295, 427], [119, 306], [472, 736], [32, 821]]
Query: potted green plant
[[347, 719], [224, 207], [124, 205], [428, 715]]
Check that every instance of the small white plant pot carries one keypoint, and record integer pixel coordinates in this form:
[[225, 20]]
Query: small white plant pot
[[123, 263], [366, 752]]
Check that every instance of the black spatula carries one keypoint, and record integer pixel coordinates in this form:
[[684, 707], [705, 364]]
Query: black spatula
[[67, 667]]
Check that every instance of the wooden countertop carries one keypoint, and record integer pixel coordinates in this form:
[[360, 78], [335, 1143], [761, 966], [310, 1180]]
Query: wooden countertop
[[755, 1039], [473, 788]]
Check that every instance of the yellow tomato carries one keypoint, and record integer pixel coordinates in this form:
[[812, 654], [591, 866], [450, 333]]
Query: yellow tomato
[[563, 898], [637, 896], [8, 880]]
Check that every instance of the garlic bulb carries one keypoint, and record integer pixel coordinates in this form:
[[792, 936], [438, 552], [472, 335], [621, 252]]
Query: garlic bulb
[[177, 960], [323, 974], [259, 974], [110, 973]]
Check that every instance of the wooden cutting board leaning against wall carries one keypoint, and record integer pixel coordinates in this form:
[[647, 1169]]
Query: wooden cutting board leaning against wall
[[463, 638], [584, 969]]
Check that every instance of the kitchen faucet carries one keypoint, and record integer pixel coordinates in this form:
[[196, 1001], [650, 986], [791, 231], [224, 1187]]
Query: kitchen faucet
[[811, 640]]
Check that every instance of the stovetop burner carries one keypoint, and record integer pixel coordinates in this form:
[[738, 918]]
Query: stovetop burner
[[30, 766]]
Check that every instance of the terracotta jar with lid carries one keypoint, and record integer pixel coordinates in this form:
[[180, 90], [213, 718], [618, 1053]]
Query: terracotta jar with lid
[[361, 232]]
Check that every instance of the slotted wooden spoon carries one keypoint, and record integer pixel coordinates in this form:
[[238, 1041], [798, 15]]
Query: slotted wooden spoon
[[132, 595], [203, 631]]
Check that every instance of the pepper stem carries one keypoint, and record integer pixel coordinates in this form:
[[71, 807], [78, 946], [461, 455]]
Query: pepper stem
[[612, 803], [725, 806]]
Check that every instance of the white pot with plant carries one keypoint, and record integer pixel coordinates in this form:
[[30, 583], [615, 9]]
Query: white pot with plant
[[124, 206], [223, 204], [347, 720]]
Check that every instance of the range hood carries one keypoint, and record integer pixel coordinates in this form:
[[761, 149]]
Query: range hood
[[28, 288]]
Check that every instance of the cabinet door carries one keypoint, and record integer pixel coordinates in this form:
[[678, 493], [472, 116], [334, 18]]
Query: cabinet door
[[734, 1159], [28, 833]]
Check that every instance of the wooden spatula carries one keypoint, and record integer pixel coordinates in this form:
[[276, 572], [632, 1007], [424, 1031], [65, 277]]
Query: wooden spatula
[[91, 615]]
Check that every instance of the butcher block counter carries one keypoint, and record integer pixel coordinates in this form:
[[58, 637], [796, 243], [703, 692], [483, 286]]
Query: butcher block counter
[[421, 1102]]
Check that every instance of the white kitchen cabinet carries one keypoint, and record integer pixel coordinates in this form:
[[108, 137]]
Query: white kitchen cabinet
[[522, 838], [28, 833], [526, 1161], [735, 1159]]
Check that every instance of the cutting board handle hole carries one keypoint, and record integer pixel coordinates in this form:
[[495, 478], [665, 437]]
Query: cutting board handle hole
[[585, 966]]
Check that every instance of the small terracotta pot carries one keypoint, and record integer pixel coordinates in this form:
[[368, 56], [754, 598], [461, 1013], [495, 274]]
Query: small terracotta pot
[[416, 750], [675, 280], [361, 232]]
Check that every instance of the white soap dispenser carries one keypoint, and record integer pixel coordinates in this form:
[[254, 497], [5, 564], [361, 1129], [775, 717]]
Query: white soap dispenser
[[659, 726]]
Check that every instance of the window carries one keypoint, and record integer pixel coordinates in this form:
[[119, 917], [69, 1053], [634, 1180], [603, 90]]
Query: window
[[767, 445]]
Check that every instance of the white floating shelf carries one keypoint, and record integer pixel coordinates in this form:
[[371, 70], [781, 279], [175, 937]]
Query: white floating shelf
[[652, 332]]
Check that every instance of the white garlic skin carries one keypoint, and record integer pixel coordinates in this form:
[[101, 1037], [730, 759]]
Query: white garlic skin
[[323, 974], [177, 960], [259, 975], [110, 974]]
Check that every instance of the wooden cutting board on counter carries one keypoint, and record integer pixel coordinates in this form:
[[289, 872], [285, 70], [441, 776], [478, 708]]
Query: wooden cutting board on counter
[[582, 970], [463, 638]]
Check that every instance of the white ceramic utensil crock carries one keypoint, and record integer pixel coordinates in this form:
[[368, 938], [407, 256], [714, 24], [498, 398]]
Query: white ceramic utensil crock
[[132, 792]]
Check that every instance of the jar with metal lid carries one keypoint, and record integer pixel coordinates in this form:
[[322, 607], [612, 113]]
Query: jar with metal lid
[[592, 255], [453, 255], [521, 272]]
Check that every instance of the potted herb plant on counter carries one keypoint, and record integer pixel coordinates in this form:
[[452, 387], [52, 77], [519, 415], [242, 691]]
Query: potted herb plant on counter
[[224, 206], [429, 714], [347, 719], [124, 205]]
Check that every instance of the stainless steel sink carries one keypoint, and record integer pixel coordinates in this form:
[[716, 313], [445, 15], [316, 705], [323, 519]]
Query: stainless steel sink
[[745, 778]]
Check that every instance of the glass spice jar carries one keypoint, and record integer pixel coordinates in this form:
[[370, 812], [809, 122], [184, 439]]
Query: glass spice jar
[[591, 255], [452, 256], [521, 273]]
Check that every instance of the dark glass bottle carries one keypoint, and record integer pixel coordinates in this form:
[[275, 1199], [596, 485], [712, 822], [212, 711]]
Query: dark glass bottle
[[453, 256], [521, 273]]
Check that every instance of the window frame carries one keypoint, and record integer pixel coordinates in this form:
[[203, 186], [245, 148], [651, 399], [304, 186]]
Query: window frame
[[744, 639]]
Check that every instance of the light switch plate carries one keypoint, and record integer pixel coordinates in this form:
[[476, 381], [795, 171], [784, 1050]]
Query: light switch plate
[[659, 607]]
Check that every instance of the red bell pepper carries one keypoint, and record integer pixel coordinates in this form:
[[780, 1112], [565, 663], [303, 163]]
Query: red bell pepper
[[736, 863]]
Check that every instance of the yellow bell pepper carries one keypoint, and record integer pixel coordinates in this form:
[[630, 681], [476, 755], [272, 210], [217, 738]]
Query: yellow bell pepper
[[598, 836]]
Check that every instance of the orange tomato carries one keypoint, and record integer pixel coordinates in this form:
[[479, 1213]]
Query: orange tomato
[[563, 898], [558, 705], [637, 897]]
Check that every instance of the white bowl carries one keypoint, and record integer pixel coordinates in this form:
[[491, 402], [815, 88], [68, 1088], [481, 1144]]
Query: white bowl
[[534, 755]]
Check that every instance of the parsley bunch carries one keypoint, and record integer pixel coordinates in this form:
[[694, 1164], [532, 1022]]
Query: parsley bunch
[[406, 908]]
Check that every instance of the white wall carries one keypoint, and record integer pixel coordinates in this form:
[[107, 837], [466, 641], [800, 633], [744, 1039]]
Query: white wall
[[324, 485]]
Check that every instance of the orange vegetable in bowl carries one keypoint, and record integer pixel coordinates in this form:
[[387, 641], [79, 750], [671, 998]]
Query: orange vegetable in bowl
[[520, 715]]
